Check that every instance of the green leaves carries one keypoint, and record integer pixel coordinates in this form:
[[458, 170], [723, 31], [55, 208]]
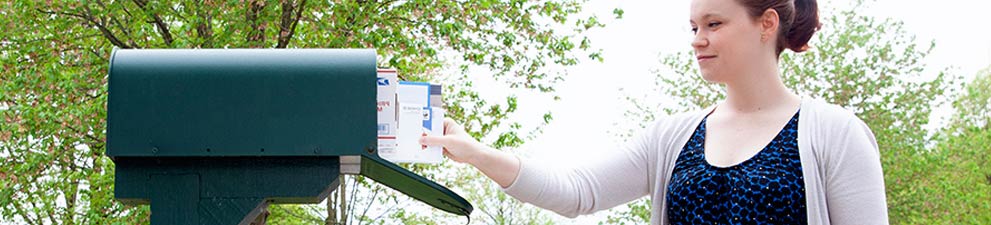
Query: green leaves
[[974, 104], [54, 57], [618, 12], [954, 176]]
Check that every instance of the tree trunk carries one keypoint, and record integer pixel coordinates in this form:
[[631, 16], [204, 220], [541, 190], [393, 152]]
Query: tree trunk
[[344, 203], [331, 210]]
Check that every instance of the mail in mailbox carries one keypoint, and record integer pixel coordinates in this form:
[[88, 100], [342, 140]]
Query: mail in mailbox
[[386, 101], [408, 111]]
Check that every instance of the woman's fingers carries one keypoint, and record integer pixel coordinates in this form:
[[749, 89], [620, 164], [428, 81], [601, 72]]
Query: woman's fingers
[[457, 145], [443, 141], [451, 127]]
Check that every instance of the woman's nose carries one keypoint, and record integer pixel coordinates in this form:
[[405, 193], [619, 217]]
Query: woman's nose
[[700, 41]]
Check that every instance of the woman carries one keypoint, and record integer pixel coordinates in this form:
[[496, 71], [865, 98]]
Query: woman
[[762, 155]]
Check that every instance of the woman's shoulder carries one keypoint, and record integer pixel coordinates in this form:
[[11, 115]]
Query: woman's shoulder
[[676, 123], [828, 113], [830, 120]]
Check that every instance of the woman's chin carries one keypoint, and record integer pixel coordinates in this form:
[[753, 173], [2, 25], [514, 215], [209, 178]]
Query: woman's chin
[[711, 77]]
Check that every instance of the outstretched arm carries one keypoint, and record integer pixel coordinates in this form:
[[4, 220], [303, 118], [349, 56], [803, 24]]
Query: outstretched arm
[[499, 166], [618, 177]]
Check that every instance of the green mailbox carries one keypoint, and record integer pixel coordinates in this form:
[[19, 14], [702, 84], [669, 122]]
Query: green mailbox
[[214, 136]]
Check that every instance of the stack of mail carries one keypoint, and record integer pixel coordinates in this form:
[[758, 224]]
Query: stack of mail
[[406, 112]]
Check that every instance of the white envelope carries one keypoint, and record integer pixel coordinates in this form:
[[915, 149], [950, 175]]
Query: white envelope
[[386, 104], [415, 119]]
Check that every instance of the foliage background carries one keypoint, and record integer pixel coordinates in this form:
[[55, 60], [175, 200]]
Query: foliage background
[[53, 95]]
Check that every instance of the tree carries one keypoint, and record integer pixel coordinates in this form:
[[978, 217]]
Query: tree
[[870, 66], [952, 182], [973, 105], [54, 59]]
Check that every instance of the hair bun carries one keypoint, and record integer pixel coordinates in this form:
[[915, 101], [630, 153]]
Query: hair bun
[[804, 25]]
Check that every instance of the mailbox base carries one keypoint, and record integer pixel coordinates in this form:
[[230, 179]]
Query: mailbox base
[[226, 190]]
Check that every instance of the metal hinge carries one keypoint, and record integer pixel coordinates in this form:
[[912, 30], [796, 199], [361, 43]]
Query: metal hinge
[[351, 164]]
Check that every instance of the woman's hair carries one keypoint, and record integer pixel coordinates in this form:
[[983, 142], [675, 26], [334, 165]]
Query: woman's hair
[[798, 20]]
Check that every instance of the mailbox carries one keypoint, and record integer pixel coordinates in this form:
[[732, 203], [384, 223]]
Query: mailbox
[[214, 136]]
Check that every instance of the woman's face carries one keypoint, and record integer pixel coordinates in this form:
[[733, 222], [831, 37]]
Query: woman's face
[[727, 40]]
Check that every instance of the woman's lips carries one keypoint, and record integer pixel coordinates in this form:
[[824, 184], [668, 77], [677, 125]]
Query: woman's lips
[[703, 58]]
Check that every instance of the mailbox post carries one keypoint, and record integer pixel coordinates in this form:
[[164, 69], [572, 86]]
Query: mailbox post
[[214, 136]]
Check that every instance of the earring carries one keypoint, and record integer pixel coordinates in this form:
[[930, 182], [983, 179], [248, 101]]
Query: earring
[[763, 37]]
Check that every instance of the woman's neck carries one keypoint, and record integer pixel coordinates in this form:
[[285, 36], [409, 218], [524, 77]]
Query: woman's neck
[[758, 93]]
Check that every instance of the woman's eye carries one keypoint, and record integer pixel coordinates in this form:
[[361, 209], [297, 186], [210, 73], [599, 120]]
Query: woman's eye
[[695, 30]]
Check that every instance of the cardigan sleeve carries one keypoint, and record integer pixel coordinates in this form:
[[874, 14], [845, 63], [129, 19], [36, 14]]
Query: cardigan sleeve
[[853, 177], [618, 177]]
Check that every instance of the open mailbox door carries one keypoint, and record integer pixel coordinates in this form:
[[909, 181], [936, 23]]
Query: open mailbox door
[[214, 136]]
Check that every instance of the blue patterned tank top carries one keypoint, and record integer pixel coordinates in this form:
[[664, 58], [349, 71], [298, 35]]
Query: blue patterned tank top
[[765, 189]]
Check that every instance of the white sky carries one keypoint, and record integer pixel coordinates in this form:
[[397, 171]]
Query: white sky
[[592, 102]]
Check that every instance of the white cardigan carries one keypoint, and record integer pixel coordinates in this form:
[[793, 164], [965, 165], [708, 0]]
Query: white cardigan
[[840, 162]]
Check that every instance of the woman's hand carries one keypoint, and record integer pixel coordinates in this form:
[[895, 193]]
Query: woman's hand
[[499, 166], [458, 144]]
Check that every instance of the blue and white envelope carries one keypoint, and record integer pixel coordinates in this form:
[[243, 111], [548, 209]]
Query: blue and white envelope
[[386, 104], [419, 113]]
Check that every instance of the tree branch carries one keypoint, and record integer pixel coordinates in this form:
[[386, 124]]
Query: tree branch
[[120, 25], [382, 4], [70, 199], [85, 134], [387, 211], [20, 211], [367, 206], [205, 28], [127, 33], [103, 28], [256, 33], [331, 211], [35, 206], [289, 21], [157, 20], [88, 17]]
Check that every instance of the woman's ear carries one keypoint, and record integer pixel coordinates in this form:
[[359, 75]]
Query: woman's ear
[[769, 24]]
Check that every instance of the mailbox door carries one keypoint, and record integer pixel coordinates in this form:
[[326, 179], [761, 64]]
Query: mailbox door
[[415, 186]]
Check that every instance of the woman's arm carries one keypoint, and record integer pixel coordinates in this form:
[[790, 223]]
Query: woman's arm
[[499, 166], [616, 177], [853, 176]]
